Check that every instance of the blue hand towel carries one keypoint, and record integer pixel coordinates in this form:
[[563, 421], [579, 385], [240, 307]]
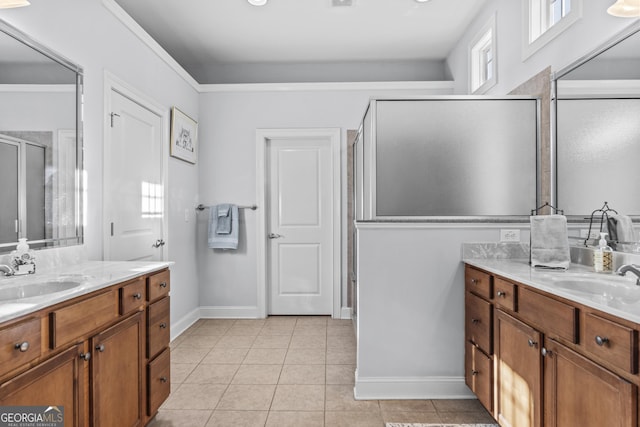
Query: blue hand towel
[[224, 219], [223, 241]]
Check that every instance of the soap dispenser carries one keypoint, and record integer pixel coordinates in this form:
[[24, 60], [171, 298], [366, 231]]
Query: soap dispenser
[[603, 256]]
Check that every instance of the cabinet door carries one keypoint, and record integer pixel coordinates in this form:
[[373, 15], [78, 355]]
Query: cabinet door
[[116, 375], [56, 382], [580, 393], [518, 368]]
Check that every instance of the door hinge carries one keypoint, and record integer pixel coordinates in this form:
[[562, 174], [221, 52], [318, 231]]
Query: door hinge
[[112, 115]]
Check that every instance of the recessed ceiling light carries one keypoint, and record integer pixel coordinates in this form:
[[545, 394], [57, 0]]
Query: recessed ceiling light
[[257, 2], [6, 4], [625, 9], [422, 1]]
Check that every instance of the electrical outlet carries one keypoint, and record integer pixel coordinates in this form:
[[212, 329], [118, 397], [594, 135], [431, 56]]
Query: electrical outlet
[[595, 234], [509, 235]]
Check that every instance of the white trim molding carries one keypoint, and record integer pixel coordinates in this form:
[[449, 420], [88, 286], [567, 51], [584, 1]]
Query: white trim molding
[[388, 388], [598, 88], [434, 87], [262, 137], [230, 312], [181, 325]]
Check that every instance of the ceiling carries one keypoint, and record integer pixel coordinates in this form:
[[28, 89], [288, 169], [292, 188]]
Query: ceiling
[[199, 33]]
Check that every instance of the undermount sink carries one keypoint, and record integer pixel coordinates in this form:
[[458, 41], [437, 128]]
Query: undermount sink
[[37, 289], [610, 289]]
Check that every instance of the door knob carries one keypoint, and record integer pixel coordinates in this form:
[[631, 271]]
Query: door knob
[[275, 236], [158, 243]]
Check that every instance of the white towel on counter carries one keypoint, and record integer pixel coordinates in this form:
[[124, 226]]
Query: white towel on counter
[[550, 242], [225, 236]]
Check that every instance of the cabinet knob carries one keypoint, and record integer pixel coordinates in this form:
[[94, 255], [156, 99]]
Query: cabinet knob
[[475, 321], [23, 346], [163, 284], [474, 372], [85, 356], [137, 296], [100, 348], [163, 379], [601, 340], [532, 343], [163, 325], [474, 281], [501, 294], [546, 352]]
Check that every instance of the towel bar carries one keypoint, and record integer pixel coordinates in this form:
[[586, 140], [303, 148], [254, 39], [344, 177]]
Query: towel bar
[[202, 207]]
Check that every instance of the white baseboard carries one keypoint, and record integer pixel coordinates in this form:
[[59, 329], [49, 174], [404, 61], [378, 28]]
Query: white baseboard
[[229, 312], [345, 313], [391, 388], [181, 325]]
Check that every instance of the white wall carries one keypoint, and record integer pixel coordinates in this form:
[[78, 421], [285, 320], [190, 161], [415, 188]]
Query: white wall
[[88, 34], [228, 126], [595, 28]]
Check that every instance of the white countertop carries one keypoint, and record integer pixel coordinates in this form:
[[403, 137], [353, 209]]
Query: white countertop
[[623, 302], [92, 275]]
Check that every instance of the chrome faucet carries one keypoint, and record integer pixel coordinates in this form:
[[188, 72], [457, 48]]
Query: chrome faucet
[[7, 270], [635, 269]]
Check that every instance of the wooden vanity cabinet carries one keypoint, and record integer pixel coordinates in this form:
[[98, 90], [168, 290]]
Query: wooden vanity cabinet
[[90, 355]]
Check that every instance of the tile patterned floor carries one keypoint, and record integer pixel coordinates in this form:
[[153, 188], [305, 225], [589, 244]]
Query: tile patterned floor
[[283, 371]]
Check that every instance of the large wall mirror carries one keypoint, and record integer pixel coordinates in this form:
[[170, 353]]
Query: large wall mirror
[[40, 144], [597, 132]]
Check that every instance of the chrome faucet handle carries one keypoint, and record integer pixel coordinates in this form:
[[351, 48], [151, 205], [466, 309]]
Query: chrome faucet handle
[[7, 270]]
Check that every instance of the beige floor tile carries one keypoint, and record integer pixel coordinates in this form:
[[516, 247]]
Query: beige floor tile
[[271, 341], [249, 322], [341, 356], [265, 356], [308, 341], [295, 419], [245, 329], [198, 341], [305, 356], [298, 398], [411, 417], [466, 417], [343, 331], [312, 320], [247, 397], [188, 355], [340, 398], [353, 419], [341, 374], [217, 329], [226, 355], [339, 322], [195, 396], [257, 374], [235, 341], [340, 341], [302, 374], [458, 405], [180, 418], [180, 371], [407, 406], [206, 373], [238, 419], [275, 329], [178, 340], [310, 330], [281, 320]]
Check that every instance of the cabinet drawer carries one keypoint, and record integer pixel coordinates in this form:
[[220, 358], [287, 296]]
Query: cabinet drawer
[[612, 342], [553, 317], [478, 322], [158, 285], [478, 282], [504, 294], [132, 296], [479, 375], [159, 381], [158, 327], [80, 318], [19, 344]]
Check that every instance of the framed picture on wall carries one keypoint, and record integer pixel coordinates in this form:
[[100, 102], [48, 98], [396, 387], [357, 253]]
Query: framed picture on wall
[[184, 136]]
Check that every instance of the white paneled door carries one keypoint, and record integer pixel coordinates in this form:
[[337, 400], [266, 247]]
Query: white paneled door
[[300, 225], [134, 192]]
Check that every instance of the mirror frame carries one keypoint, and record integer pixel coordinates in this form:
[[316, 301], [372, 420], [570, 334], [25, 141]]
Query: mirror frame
[[629, 31], [28, 41]]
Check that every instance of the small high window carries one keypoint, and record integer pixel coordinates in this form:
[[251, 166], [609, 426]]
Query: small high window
[[545, 20], [482, 59]]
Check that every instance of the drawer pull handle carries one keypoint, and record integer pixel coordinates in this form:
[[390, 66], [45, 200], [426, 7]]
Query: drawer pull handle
[[474, 281], [532, 343], [85, 356], [502, 294], [137, 296], [601, 340], [23, 346], [163, 284], [163, 379], [475, 321], [546, 353], [163, 325], [100, 348], [474, 372]]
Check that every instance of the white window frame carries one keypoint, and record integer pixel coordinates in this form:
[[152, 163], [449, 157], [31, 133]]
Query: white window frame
[[486, 38], [535, 16]]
